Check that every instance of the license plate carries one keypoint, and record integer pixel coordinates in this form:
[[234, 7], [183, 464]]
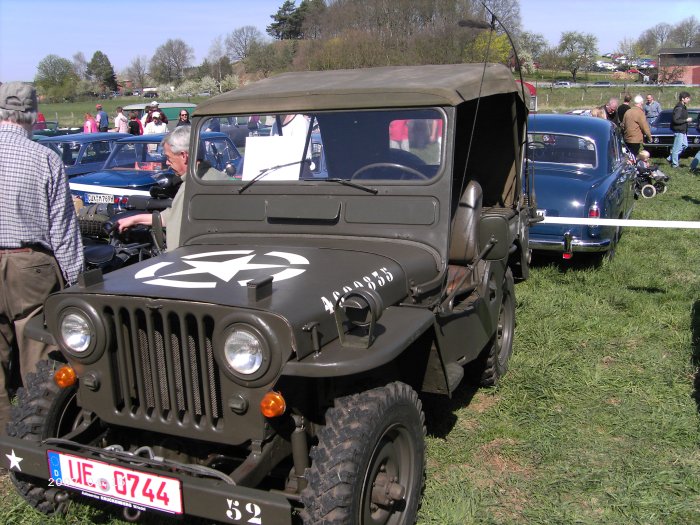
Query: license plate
[[542, 213], [115, 484], [94, 198]]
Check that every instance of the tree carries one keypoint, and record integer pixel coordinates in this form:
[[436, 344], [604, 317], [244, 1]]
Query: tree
[[137, 71], [55, 77], [80, 65], [686, 33], [100, 69], [532, 43], [577, 50], [287, 23], [170, 60], [268, 58], [239, 41], [311, 13]]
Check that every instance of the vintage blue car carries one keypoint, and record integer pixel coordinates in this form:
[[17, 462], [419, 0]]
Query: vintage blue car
[[582, 171], [83, 152], [662, 136], [138, 163]]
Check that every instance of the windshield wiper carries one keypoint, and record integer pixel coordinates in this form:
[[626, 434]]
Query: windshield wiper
[[346, 182], [265, 171]]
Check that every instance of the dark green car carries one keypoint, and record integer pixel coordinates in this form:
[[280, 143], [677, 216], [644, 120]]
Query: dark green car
[[268, 370]]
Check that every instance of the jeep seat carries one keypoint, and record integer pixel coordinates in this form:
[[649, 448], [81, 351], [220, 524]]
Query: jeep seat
[[464, 240]]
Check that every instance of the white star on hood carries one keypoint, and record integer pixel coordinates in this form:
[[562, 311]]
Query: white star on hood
[[224, 270], [14, 460]]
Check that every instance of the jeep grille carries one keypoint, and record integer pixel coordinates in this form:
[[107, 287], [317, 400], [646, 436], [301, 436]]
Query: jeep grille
[[163, 366]]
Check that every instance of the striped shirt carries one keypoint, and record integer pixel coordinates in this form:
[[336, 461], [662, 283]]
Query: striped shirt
[[35, 203]]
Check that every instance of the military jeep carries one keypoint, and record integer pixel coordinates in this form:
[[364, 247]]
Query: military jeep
[[269, 369]]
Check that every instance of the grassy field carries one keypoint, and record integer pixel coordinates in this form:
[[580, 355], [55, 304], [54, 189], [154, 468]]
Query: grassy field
[[597, 421]]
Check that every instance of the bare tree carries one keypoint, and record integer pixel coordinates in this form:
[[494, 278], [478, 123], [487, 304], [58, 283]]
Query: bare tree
[[239, 42], [686, 33], [170, 60], [80, 65], [138, 71]]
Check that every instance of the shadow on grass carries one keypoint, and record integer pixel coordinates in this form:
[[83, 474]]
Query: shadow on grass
[[580, 261], [440, 410], [690, 199], [695, 347]]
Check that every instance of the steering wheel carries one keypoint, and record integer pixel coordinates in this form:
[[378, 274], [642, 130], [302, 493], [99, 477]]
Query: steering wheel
[[390, 165]]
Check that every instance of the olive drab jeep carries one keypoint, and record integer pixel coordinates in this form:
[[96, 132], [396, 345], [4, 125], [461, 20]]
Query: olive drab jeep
[[269, 369]]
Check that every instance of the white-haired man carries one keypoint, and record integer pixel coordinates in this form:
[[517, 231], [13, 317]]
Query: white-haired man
[[635, 126], [40, 243], [176, 145]]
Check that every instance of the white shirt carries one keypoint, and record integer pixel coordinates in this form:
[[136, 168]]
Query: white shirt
[[121, 123], [152, 128]]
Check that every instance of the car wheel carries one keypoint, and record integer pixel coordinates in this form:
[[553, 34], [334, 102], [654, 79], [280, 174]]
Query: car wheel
[[43, 411], [369, 464], [492, 364], [648, 191]]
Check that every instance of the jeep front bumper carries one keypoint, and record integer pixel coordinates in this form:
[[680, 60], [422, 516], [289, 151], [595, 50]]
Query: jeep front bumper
[[201, 496]]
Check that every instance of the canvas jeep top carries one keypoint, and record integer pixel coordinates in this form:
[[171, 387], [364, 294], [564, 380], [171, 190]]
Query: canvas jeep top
[[268, 369]]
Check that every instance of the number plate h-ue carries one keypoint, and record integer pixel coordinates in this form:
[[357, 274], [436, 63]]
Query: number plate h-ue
[[115, 484]]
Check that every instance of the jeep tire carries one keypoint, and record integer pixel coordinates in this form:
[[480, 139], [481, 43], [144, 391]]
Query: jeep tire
[[369, 464], [43, 411], [493, 363]]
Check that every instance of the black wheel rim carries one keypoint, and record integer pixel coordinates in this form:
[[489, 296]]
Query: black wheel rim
[[390, 469]]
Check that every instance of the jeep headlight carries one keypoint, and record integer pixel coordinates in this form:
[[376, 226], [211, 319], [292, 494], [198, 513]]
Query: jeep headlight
[[76, 332], [244, 352]]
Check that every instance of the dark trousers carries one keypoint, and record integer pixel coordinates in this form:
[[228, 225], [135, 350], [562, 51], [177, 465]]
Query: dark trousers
[[634, 147], [26, 280]]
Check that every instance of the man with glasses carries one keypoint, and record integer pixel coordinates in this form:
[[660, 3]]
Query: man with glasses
[[184, 119]]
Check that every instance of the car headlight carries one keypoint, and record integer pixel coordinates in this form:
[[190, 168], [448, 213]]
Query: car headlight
[[244, 352], [76, 332]]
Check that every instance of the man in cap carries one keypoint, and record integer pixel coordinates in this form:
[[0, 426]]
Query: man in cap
[[40, 244], [155, 125], [152, 107], [102, 118]]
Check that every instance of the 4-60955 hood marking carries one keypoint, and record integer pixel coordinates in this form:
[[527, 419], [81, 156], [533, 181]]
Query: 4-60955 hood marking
[[225, 270]]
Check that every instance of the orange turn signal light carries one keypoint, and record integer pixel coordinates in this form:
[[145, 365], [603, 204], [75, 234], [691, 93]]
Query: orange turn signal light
[[65, 376], [273, 404]]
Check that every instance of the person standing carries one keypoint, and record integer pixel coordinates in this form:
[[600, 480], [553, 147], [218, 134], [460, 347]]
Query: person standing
[[679, 126], [611, 110], [635, 126], [155, 125], [135, 126], [89, 126], [40, 243], [184, 119], [121, 123], [102, 118], [652, 108], [622, 108]]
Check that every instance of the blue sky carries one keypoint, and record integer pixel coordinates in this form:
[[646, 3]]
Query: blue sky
[[123, 29]]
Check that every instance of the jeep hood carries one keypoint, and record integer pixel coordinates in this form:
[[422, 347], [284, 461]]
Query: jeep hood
[[306, 280]]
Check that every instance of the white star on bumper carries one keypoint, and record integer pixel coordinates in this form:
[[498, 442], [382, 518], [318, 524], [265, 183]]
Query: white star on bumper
[[14, 460]]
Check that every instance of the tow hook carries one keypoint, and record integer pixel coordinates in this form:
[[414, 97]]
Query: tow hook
[[568, 252]]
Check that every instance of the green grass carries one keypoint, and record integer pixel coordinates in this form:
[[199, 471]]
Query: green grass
[[597, 421]]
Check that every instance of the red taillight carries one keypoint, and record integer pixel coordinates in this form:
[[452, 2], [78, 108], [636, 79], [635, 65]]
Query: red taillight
[[120, 201], [594, 212], [566, 255]]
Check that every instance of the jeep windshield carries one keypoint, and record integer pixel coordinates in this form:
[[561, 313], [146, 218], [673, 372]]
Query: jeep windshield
[[395, 146]]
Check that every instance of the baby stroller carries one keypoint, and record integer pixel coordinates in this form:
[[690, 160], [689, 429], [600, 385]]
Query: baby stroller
[[650, 180]]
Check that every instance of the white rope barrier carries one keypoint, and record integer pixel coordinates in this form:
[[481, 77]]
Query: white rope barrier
[[622, 222]]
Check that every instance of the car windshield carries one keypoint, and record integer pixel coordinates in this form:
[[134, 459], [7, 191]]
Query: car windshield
[[137, 155], [664, 118], [68, 151], [401, 146], [559, 148]]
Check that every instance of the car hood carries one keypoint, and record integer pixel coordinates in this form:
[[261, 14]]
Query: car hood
[[306, 280], [119, 178]]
